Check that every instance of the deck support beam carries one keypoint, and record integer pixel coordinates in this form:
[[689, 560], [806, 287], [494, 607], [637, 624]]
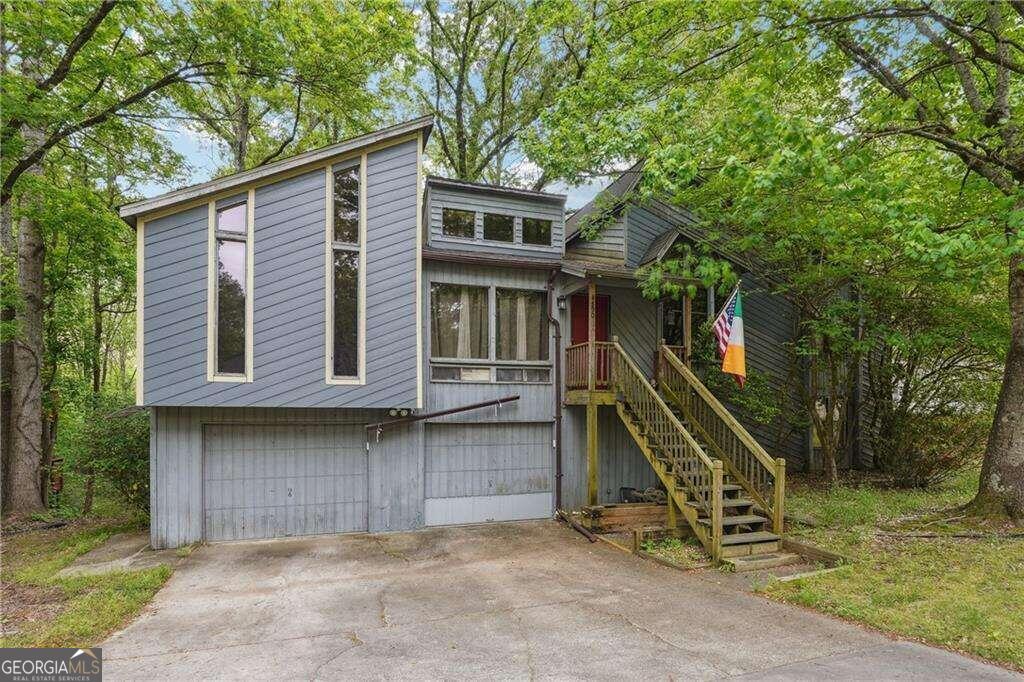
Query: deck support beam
[[592, 472]]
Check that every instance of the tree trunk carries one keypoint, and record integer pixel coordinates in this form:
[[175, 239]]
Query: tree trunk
[[26, 389], [9, 254], [1001, 488]]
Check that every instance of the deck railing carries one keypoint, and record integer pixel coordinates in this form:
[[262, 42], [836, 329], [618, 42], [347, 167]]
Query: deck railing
[[577, 366], [760, 475], [685, 457]]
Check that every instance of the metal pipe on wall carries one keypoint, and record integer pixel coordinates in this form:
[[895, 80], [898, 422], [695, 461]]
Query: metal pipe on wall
[[553, 320]]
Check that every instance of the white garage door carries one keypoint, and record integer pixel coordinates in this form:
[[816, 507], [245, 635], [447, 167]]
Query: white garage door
[[265, 481], [487, 472]]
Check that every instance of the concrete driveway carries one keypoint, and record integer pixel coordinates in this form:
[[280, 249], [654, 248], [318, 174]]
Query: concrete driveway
[[509, 601]]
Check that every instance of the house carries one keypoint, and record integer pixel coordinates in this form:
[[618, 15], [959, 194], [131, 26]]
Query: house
[[335, 343]]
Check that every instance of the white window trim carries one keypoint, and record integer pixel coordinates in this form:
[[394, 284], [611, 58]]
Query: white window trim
[[211, 292], [329, 377]]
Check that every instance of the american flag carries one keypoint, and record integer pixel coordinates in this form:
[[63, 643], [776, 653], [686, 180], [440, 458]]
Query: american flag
[[723, 323]]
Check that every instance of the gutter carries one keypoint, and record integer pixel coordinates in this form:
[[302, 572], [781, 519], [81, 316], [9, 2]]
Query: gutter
[[553, 320]]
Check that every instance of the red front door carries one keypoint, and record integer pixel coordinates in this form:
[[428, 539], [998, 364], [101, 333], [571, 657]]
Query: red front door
[[581, 332]]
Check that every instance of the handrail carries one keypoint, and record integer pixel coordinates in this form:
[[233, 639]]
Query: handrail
[[687, 457], [761, 475], [379, 426]]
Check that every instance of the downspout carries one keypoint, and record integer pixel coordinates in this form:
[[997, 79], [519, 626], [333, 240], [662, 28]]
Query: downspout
[[553, 320]]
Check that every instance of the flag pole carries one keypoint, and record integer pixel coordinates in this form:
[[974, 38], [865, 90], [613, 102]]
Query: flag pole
[[728, 298]]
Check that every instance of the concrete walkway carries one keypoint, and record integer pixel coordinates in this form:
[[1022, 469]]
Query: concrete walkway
[[510, 601]]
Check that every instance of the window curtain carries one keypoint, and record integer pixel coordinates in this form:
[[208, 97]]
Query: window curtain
[[521, 325], [458, 322]]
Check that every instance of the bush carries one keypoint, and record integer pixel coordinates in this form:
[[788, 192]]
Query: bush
[[113, 442], [916, 451]]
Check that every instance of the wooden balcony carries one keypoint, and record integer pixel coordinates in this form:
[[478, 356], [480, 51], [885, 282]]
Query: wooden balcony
[[583, 386]]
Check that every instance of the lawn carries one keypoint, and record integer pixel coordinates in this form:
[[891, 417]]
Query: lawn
[[40, 609], [966, 594]]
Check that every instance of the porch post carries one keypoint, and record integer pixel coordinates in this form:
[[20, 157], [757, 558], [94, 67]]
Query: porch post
[[592, 472], [591, 335], [687, 327]]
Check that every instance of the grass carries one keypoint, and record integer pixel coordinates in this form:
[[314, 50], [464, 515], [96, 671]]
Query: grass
[[43, 610], [685, 554], [964, 594]]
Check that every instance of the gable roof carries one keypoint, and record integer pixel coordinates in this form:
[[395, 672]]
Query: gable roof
[[129, 211], [621, 187]]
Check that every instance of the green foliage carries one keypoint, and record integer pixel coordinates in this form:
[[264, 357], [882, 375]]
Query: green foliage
[[966, 594], [112, 439]]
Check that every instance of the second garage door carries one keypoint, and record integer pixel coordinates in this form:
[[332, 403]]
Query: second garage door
[[264, 481], [487, 472]]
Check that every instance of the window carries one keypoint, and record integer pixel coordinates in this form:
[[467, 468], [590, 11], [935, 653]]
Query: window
[[521, 330], [229, 352], [345, 281], [462, 347], [499, 228], [456, 223], [459, 324], [536, 231]]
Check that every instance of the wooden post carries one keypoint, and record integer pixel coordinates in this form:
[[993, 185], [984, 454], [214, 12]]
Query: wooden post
[[592, 473], [716, 510], [779, 510], [673, 520], [687, 327], [591, 335]]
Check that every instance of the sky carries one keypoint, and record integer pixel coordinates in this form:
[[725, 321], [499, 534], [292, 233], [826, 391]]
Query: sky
[[203, 157]]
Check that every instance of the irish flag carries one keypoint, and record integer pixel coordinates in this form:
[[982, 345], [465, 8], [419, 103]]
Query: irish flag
[[729, 332]]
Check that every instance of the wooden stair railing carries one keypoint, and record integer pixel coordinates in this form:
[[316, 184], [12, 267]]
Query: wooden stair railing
[[762, 477], [577, 366], [694, 481]]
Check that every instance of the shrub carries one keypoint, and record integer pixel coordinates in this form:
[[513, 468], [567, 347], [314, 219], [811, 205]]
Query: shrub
[[113, 442]]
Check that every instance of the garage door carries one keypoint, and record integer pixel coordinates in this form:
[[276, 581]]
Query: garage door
[[487, 472], [264, 481]]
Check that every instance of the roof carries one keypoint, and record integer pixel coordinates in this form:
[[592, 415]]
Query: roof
[[129, 211], [622, 186], [450, 256], [438, 181]]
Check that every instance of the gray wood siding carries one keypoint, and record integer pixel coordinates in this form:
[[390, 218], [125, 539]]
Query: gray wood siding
[[289, 323], [642, 228], [620, 462], [536, 402], [467, 460], [609, 245], [394, 477], [439, 198]]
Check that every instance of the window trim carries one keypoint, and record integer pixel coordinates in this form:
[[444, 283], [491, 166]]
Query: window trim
[[329, 248], [491, 361], [211, 288]]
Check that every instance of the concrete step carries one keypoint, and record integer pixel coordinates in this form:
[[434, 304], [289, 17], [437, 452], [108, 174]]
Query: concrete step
[[760, 562]]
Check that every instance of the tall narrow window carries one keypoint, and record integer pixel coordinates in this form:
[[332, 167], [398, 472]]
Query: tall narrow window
[[231, 290], [345, 282]]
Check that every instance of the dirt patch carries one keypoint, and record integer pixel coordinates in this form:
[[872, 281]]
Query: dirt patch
[[21, 605]]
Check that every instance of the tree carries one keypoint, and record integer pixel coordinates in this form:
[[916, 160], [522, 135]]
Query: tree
[[491, 69], [330, 74], [788, 131]]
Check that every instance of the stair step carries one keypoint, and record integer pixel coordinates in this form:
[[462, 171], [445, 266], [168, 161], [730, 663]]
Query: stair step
[[730, 487], [737, 502], [739, 520], [759, 562], [749, 538]]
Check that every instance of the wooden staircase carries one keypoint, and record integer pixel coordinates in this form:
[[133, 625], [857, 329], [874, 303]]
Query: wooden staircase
[[710, 482]]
